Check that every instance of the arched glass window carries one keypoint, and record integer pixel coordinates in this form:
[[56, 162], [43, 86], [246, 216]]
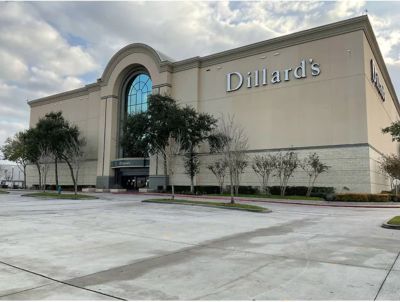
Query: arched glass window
[[137, 94]]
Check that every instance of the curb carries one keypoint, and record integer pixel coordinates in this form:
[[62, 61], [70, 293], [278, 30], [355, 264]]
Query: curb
[[208, 206], [272, 201], [391, 226]]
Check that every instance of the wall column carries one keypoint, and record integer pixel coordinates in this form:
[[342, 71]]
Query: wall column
[[107, 141]]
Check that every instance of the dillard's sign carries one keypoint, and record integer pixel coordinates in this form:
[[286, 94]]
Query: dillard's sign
[[375, 80], [255, 78]]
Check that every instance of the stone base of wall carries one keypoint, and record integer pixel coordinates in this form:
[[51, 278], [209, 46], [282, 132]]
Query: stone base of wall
[[353, 167], [156, 181], [350, 168]]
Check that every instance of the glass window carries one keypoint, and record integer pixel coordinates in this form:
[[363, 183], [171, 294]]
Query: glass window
[[138, 92]]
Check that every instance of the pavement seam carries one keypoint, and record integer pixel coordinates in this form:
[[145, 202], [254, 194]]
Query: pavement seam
[[230, 284], [387, 275], [61, 282], [212, 246], [25, 290]]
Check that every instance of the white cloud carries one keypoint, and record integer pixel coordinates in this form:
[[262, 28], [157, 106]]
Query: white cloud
[[12, 67], [36, 60], [346, 9], [10, 127]]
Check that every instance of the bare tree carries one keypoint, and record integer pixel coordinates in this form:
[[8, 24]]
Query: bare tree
[[76, 157], [218, 168], [240, 163], [171, 152], [390, 164], [44, 161], [264, 166], [313, 166], [232, 144], [286, 164]]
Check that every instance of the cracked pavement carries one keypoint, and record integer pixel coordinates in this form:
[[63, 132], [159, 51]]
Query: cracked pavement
[[116, 247]]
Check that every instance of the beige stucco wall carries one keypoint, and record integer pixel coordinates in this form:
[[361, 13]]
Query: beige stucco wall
[[336, 114], [330, 107], [82, 111], [380, 114]]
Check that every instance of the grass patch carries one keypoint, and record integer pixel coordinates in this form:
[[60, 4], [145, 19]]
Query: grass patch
[[3, 192], [234, 206], [50, 195], [395, 220], [293, 197]]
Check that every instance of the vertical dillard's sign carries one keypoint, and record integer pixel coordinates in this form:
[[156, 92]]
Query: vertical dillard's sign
[[234, 80], [375, 80]]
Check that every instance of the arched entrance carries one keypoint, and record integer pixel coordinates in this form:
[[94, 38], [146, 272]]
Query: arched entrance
[[132, 167]]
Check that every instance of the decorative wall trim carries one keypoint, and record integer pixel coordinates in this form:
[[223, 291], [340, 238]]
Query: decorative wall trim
[[316, 147], [106, 97], [161, 85], [84, 91]]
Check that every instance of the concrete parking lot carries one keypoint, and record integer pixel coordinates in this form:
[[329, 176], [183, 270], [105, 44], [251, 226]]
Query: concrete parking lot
[[116, 247]]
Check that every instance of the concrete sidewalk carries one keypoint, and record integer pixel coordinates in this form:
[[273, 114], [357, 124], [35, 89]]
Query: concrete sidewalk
[[344, 204]]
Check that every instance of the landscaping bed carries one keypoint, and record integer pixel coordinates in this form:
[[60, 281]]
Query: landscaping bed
[[395, 220], [3, 192], [393, 223], [263, 196], [50, 195], [222, 205], [360, 197]]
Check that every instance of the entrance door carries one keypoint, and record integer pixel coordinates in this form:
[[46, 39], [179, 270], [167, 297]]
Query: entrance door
[[134, 182]]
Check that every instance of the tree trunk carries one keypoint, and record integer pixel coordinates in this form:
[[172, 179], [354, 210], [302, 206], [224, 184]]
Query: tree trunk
[[157, 164], [267, 192], [192, 184], [191, 172], [283, 188], [309, 191], [24, 177], [236, 187], [56, 171], [165, 173], [40, 176], [72, 173], [231, 179], [44, 174], [311, 186]]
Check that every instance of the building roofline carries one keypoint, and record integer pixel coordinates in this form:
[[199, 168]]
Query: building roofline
[[304, 36]]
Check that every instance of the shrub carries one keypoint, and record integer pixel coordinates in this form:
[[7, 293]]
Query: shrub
[[197, 189], [302, 191], [330, 197], [395, 198], [248, 190], [352, 197], [362, 197], [378, 197]]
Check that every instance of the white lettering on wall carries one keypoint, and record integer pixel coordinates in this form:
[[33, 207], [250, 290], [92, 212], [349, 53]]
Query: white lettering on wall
[[229, 81], [375, 80], [234, 80]]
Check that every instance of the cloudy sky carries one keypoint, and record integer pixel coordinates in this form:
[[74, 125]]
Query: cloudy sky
[[47, 48]]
